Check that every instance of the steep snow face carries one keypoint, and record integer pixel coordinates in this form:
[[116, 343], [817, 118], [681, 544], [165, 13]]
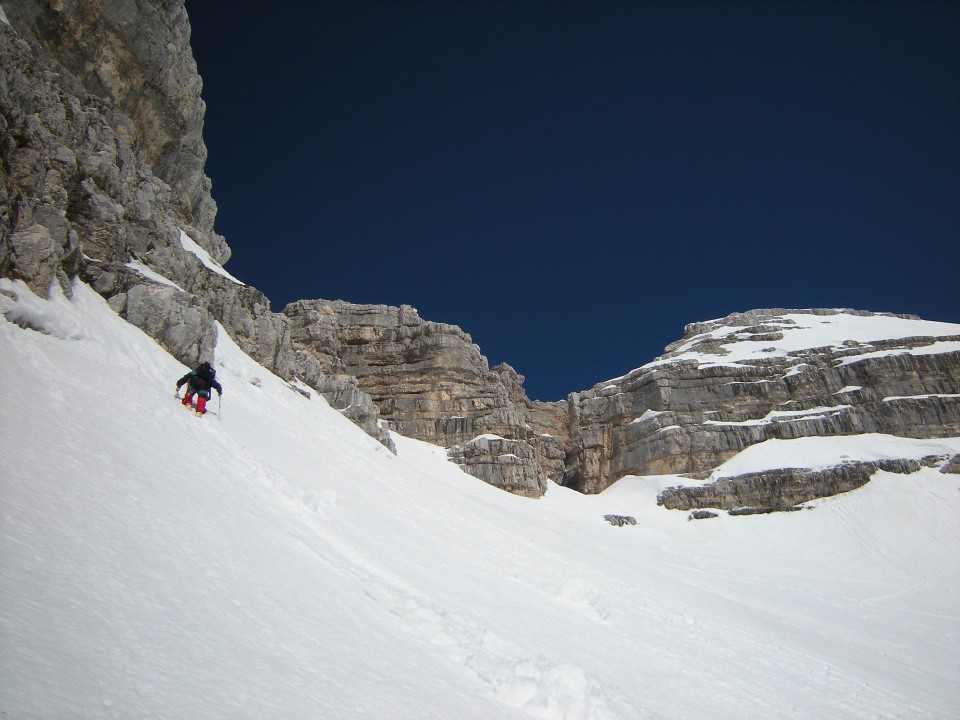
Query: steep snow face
[[272, 560]]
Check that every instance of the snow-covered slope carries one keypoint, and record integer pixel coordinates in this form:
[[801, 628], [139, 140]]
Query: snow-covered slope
[[276, 562]]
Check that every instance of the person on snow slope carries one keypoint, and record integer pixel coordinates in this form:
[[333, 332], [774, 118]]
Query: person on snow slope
[[200, 382]]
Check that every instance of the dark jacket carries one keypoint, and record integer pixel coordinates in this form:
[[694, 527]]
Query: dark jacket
[[201, 379]]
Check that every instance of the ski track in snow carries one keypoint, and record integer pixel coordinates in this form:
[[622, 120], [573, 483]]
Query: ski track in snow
[[276, 562]]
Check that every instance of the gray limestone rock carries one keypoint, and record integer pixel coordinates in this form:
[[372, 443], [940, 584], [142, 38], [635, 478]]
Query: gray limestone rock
[[102, 157], [548, 423], [785, 489], [132, 58], [32, 257], [177, 320], [343, 393], [508, 464], [82, 156], [700, 404], [430, 381], [952, 466]]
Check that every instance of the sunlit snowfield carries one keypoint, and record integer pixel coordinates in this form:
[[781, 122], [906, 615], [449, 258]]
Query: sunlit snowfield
[[275, 562]]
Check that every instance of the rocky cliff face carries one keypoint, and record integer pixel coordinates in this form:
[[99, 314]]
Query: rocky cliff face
[[750, 377], [430, 381], [727, 385], [103, 155], [102, 160], [112, 89]]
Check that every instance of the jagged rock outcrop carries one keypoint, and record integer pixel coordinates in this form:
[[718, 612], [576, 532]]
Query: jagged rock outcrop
[[431, 382], [102, 162], [102, 150], [429, 379], [952, 466], [549, 422], [767, 374], [511, 465], [784, 489]]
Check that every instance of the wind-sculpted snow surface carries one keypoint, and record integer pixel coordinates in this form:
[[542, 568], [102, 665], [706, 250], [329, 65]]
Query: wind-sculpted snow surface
[[275, 561]]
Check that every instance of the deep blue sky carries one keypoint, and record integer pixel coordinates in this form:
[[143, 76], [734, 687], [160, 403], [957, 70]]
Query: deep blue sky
[[573, 182]]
